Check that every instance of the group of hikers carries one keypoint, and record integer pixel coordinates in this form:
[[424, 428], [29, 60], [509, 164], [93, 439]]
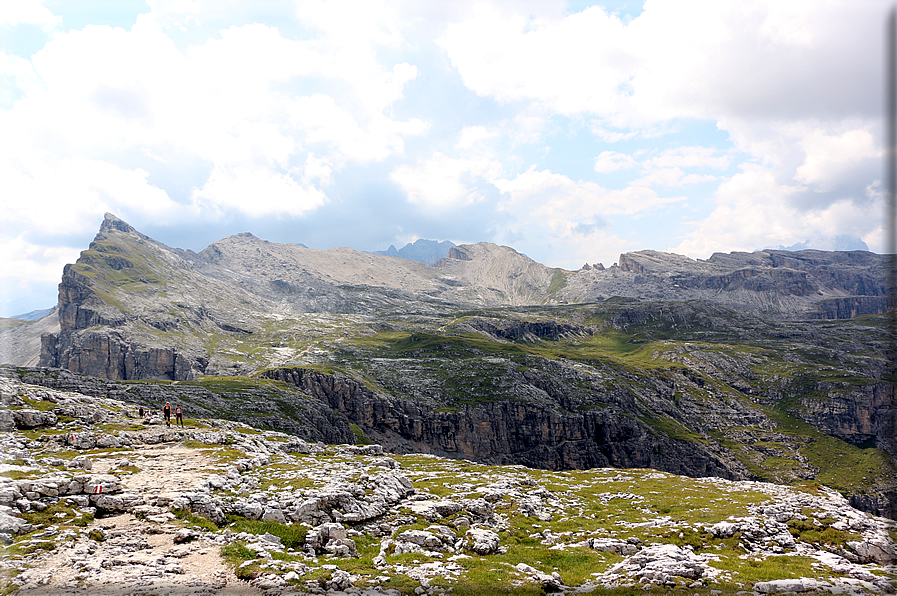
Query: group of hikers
[[166, 414]]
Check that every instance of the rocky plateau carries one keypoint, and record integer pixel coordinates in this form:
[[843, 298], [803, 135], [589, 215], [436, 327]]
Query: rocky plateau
[[95, 499]]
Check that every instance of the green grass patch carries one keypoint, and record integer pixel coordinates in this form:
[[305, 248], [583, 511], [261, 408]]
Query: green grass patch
[[750, 571], [20, 474], [558, 282], [58, 513], [842, 466], [292, 536], [360, 438], [193, 520], [235, 555], [39, 404]]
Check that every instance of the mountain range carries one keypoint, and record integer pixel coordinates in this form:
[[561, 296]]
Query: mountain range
[[771, 365], [428, 252]]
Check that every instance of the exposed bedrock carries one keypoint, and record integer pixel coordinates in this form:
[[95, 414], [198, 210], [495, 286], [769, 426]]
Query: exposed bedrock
[[285, 409], [109, 354], [850, 306], [860, 415], [508, 432]]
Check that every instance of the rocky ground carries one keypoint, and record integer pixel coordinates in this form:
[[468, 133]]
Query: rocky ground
[[95, 500]]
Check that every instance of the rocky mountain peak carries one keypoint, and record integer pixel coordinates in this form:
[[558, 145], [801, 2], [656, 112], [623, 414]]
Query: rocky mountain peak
[[111, 222], [425, 251]]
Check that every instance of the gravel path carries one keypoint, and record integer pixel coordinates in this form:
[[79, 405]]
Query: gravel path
[[139, 556]]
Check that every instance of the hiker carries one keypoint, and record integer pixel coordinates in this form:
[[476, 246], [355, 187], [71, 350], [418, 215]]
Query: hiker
[[166, 413], [179, 415], [141, 411]]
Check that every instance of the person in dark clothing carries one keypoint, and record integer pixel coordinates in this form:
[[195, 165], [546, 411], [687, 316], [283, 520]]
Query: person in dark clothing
[[166, 413], [179, 416], [141, 411]]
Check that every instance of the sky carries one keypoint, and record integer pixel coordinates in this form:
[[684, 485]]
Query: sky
[[572, 131]]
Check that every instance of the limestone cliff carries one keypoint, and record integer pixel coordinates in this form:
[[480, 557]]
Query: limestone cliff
[[777, 283], [541, 435]]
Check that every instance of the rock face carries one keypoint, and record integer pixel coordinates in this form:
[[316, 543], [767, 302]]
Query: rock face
[[780, 283], [134, 308], [531, 434], [279, 407]]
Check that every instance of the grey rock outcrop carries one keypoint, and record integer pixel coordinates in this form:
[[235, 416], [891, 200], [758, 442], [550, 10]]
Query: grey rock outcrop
[[507, 432]]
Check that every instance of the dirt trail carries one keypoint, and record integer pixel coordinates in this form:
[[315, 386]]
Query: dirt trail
[[165, 468], [138, 556]]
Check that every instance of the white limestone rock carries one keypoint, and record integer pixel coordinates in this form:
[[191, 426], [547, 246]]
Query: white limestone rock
[[482, 541]]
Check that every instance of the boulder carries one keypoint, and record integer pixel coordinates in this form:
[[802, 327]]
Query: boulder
[[660, 564], [790, 586], [330, 537], [27, 419], [875, 548], [433, 510], [611, 545], [421, 538], [482, 541], [10, 524]]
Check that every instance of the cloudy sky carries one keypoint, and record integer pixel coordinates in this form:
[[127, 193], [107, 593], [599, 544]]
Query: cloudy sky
[[570, 130]]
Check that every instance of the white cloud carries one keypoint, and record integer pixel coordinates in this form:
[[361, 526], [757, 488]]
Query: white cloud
[[831, 158], [670, 177], [565, 219], [70, 194], [475, 138], [256, 192], [677, 60], [113, 95], [772, 74], [754, 210], [513, 58], [32, 263], [690, 157], [555, 199], [442, 182], [27, 12], [665, 169], [611, 161]]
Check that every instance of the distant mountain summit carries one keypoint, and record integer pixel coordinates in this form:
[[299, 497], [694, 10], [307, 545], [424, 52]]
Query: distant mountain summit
[[423, 251], [34, 315], [844, 242]]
